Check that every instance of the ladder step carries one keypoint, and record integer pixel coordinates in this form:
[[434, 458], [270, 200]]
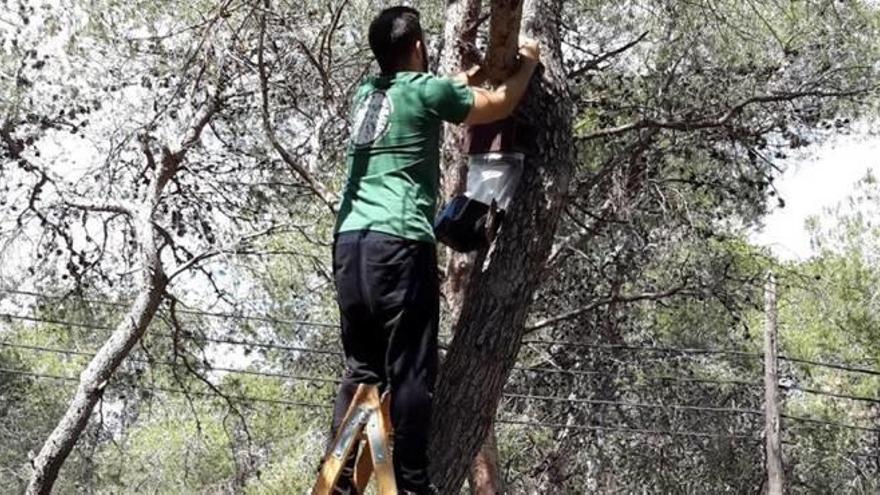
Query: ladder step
[[367, 420], [351, 430]]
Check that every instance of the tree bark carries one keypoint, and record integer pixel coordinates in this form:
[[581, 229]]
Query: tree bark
[[459, 41], [775, 476], [496, 294], [504, 31], [459, 38], [484, 477]]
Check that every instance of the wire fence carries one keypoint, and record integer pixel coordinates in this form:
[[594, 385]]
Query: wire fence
[[567, 401]]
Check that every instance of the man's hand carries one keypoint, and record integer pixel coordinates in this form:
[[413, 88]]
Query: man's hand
[[529, 49], [475, 76], [497, 104]]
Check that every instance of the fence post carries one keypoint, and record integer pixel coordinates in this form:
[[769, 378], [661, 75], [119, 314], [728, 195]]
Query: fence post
[[771, 391]]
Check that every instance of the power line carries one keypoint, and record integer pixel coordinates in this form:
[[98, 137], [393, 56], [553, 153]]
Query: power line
[[657, 349], [527, 369], [195, 312], [826, 393], [636, 431], [677, 350], [243, 398], [720, 409], [845, 426], [89, 326], [301, 349], [837, 366], [639, 405], [733, 410], [312, 405], [240, 398], [826, 451], [56, 350], [719, 381], [168, 335], [253, 343], [623, 347], [309, 350], [270, 374]]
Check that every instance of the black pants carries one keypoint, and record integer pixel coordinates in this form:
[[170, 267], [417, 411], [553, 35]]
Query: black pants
[[388, 294]]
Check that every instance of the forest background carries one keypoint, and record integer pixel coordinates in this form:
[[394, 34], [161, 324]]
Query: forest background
[[169, 173]]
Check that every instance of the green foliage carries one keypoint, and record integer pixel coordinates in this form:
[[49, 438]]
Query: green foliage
[[30, 406], [830, 313], [652, 242], [176, 448]]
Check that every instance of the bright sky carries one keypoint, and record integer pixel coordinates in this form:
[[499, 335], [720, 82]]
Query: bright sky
[[820, 177]]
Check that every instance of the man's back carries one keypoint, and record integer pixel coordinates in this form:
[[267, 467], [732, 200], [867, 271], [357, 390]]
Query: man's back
[[393, 157]]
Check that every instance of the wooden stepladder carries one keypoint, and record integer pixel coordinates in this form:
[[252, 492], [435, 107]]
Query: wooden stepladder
[[367, 422]]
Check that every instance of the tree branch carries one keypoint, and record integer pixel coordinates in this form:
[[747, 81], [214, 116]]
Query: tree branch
[[594, 63], [241, 248], [721, 121], [101, 207], [646, 296], [171, 160]]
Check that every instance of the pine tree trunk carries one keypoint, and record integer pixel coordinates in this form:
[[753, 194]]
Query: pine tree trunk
[[496, 294], [100, 369], [459, 39], [462, 19], [150, 288], [484, 477]]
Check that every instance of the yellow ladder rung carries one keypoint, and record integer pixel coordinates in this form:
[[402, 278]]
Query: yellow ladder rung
[[367, 422]]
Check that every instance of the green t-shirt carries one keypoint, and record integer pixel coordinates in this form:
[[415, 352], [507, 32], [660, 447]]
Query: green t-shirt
[[394, 152]]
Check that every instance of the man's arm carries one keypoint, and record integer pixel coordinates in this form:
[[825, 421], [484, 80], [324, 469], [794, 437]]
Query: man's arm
[[498, 104]]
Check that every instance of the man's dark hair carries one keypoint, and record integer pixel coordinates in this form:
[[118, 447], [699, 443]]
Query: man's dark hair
[[392, 35]]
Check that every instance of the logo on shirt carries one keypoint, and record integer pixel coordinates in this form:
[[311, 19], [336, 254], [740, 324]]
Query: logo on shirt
[[371, 118]]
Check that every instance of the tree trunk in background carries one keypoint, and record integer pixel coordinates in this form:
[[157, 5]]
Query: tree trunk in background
[[504, 30], [150, 287], [484, 477], [100, 369], [775, 481], [494, 297], [459, 41]]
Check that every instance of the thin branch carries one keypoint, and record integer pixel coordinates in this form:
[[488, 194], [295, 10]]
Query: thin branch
[[471, 30], [242, 248], [646, 296], [101, 207], [288, 158], [721, 121], [178, 329], [594, 63]]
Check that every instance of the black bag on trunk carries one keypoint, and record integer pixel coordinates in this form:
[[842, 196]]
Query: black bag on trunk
[[492, 178]]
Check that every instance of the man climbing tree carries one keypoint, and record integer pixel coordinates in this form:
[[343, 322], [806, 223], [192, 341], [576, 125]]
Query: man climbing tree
[[384, 255]]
